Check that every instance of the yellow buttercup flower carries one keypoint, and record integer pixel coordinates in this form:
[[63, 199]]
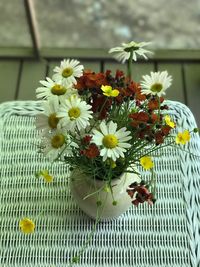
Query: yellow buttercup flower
[[183, 138], [27, 226], [146, 162], [47, 177], [108, 91], [169, 122]]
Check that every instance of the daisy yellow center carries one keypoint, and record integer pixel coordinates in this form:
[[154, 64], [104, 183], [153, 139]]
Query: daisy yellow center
[[110, 141], [58, 140], [67, 72], [58, 89], [74, 113], [156, 87], [53, 121]]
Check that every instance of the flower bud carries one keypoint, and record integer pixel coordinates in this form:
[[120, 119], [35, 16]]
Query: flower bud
[[196, 130], [114, 203]]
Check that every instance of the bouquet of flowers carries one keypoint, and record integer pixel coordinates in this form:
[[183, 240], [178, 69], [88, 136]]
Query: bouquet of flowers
[[105, 123]]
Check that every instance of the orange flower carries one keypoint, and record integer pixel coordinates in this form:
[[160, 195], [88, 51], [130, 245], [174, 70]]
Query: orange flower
[[135, 89], [166, 129], [159, 138], [139, 117], [119, 74], [153, 104], [140, 194], [86, 139], [154, 118], [99, 101], [91, 152], [91, 80]]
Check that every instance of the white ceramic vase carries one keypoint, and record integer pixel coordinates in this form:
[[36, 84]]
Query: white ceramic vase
[[82, 186]]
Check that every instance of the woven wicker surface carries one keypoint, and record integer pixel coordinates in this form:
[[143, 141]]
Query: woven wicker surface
[[166, 234]]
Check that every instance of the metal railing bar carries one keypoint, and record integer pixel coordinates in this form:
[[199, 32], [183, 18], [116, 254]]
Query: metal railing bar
[[184, 84], [47, 69], [18, 79], [155, 65], [102, 65]]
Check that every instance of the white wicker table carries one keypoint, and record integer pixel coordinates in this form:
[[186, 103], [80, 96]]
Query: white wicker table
[[167, 234]]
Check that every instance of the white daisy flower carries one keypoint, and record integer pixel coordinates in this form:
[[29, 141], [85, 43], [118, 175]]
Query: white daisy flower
[[55, 143], [112, 142], [52, 88], [74, 113], [48, 120], [122, 53], [68, 71], [156, 83]]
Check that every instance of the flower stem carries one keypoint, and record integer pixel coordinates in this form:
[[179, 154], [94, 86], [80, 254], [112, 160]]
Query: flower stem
[[129, 70], [85, 246], [102, 107]]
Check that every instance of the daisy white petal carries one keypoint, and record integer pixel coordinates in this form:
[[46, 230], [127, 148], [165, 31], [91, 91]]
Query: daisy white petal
[[112, 127], [68, 71], [48, 120], [52, 88], [111, 142], [74, 113], [55, 143], [122, 53], [122, 132], [127, 138], [103, 128], [156, 83], [120, 151], [125, 145]]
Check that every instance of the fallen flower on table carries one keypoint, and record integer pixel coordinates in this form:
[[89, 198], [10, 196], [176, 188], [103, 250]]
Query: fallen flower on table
[[45, 174], [183, 138], [27, 226], [146, 162]]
